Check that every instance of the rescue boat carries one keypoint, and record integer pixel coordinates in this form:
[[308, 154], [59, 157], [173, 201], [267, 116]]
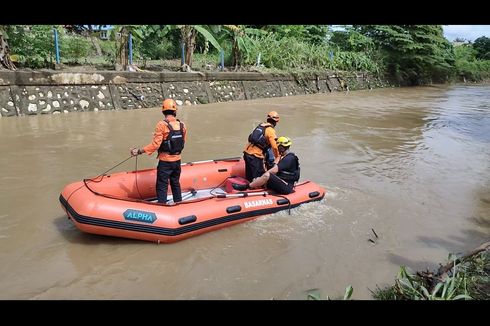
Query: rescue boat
[[124, 204]]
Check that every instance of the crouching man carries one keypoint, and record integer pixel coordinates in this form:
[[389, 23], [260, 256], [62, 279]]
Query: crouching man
[[282, 176]]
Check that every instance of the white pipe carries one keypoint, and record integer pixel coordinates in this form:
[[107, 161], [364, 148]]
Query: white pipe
[[242, 194]]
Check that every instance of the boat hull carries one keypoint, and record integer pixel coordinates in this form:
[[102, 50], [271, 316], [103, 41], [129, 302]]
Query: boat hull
[[113, 205]]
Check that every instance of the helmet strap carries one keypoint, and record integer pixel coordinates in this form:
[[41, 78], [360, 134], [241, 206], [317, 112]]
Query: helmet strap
[[272, 121], [169, 112]]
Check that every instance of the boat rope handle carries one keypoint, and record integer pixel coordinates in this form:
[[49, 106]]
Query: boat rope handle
[[100, 175], [284, 197], [93, 179]]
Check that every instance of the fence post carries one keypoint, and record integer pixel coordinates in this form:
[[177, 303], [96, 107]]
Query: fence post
[[258, 60], [222, 54], [182, 58], [56, 45], [130, 44]]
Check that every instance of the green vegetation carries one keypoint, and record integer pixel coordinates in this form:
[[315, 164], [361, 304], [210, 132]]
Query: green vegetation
[[315, 294], [468, 280], [463, 278], [482, 48], [468, 66], [33, 47], [403, 54]]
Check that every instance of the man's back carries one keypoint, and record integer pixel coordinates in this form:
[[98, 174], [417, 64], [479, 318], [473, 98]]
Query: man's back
[[270, 136]]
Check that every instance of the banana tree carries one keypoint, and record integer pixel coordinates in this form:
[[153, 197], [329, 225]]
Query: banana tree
[[188, 34], [4, 51], [122, 36], [241, 41]]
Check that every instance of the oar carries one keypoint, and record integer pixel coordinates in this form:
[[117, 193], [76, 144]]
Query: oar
[[192, 192], [242, 194]]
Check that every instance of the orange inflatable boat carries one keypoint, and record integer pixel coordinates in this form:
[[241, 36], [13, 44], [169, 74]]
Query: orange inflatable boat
[[124, 204]]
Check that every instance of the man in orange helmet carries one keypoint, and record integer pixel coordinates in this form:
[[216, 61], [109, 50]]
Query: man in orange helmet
[[169, 139], [260, 141]]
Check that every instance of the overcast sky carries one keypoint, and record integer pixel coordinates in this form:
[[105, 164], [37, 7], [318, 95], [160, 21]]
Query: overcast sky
[[468, 32]]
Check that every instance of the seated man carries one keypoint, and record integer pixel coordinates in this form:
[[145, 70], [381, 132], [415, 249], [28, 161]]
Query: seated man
[[282, 176]]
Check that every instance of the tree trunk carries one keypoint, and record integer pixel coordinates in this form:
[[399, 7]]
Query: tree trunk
[[236, 54], [90, 34], [4, 54], [443, 270], [189, 37], [122, 55], [96, 45]]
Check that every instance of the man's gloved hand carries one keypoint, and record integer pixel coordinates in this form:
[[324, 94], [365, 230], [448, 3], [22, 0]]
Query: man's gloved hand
[[135, 151]]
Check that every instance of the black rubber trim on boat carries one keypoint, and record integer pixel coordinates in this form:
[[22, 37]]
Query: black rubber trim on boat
[[187, 219], [122, 225], [314, 194], [282, 201], [233, 209]]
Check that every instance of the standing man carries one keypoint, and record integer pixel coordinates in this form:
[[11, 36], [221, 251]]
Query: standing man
[[262, 139], [169, 139]]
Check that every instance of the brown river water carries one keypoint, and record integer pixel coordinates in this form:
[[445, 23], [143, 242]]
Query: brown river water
[[411, 163]]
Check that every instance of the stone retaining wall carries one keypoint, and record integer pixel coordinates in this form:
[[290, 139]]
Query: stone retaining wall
[[45, 92]]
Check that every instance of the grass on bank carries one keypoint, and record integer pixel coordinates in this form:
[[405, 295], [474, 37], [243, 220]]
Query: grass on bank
[[463, 278]]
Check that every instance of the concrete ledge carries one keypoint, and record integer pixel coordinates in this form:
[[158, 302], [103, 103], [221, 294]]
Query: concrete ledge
[[54, 91]]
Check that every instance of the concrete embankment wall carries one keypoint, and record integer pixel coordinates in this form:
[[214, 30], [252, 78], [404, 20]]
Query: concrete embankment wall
[[46, 92]]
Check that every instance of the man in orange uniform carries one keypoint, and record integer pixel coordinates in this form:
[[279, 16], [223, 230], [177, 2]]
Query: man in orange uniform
[[169, 139], [262, 139]]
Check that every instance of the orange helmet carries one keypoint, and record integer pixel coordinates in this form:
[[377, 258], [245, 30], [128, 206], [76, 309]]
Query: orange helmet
[[169, 104], [273, 115]]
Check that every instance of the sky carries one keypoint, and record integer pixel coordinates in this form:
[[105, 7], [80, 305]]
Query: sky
[[468, 32]]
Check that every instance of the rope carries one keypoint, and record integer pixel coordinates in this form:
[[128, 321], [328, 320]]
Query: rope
[[94, 179], [85, 184], [104, 173], [137, 188], [211, 191], [136, 177]]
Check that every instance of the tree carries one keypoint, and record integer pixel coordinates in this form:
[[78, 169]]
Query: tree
[[413, 53], [460, 40], [122, 56], [32, 44], [160, 42], [122, 37], [188, 36], [240, 40], [313, 34], [482, 47], [316, 34], [87, 31], [350, 39], [5, 50]]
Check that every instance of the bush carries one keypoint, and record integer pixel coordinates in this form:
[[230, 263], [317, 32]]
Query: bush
[[291, 54], [74, 47], [108, 48], [33, 45], [159, 49]]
